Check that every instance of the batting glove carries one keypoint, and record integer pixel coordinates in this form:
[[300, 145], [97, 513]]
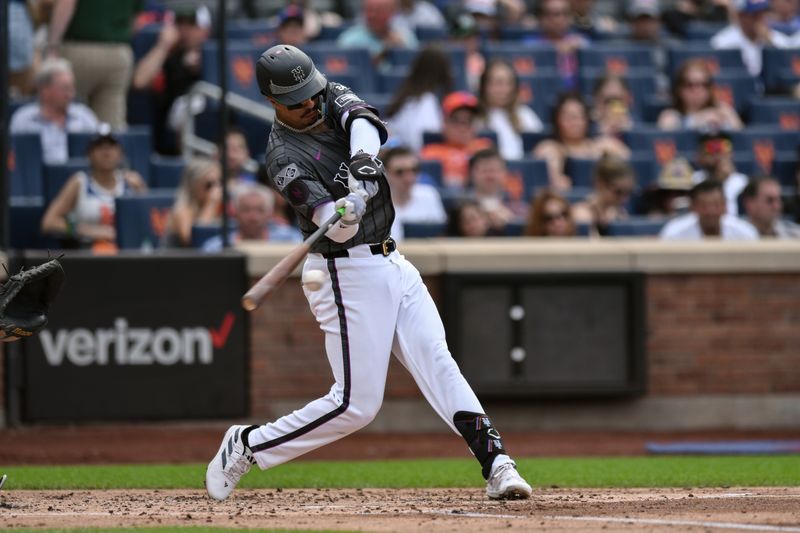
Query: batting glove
[[354, 208], [365, 167]]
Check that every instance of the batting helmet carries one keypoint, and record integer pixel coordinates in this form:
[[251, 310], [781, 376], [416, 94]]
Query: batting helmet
[[288, 75]]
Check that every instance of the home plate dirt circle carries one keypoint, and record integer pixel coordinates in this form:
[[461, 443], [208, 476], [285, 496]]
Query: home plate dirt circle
[[462, 510]]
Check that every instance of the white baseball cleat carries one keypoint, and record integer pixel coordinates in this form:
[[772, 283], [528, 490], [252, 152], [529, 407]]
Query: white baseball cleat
[[233, 460], [505, 483]]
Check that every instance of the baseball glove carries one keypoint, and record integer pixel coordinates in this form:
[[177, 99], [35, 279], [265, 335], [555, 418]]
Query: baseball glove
[[25, 298]]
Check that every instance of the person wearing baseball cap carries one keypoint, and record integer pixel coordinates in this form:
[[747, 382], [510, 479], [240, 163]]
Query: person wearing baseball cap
[[750, 34], [460, 139], [291, 26], [645, 20]]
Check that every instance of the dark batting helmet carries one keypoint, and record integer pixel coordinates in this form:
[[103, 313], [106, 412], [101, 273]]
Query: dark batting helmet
[[288, 75]]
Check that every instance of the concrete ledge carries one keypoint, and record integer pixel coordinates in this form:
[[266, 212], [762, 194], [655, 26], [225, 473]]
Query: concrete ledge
[[655, 413], [435, 256]]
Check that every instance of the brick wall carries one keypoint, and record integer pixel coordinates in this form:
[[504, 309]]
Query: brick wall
[[710, 334]]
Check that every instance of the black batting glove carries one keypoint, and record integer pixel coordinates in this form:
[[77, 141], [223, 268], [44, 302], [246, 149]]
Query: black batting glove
[[366, 167]]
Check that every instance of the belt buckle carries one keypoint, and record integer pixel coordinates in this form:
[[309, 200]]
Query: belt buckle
[[385, 247]]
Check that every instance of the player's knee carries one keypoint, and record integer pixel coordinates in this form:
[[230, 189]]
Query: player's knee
[[359, 414]]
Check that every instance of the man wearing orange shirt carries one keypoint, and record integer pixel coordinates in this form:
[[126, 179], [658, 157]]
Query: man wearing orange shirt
[[460, 139]]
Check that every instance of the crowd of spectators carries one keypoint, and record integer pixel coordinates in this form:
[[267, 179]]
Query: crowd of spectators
[[462, 121]]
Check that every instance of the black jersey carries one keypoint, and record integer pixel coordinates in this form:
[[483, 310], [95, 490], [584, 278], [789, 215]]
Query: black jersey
[[310, 169]]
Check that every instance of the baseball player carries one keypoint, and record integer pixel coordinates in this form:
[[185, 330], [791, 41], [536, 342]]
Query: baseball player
[[372, 303]]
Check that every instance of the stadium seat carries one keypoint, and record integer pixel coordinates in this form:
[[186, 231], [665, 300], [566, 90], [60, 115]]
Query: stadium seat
[[430, 137], [165, 172], [646, 169], [576, 194], [417, 230], [527, 59], [514, 228], [430, 172], [141, 219], [580, 171], [55, 176], [766, 144], [25, 164], [241, 57], [331, 33], [780, 69], [717, 60], [636, 227], [526, 177], [144, 39], [388, 82], [735, 88], [202, 232], [783, 112], [785, 168], [539, 91], [258, 32], [427, 34], [514, 32], [616, 58], [702, 31], [25, 220], [136, 143], [664, 145], [404, 57], [530, 138]]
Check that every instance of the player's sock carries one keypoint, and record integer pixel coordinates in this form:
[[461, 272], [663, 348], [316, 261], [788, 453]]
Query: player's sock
[[245, 434], [483, 439]]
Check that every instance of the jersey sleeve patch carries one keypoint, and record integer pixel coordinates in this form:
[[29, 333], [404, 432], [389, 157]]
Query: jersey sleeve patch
[[286, 176], [297, 192]]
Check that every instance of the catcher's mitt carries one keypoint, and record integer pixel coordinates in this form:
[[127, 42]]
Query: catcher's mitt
[[25, 298]]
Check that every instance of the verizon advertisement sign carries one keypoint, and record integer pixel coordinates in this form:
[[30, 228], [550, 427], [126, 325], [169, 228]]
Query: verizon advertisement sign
[[141, 338]]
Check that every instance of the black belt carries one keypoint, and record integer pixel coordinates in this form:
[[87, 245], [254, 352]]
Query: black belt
[[382, 248]]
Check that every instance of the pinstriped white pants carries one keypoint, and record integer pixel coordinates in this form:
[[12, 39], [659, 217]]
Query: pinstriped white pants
[[370, 307]]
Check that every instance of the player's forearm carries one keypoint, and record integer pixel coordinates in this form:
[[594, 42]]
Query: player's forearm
[[339, 232], [364, 137]]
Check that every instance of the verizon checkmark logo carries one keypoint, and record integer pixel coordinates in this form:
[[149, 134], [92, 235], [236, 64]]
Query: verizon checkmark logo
[[219, 336]]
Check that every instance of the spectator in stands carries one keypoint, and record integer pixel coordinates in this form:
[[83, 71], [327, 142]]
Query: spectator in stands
[[555, 28], [683, 12], [464, 31], [460, 139], [570, 122], [198, 201], [172, 66], [549, 216], [611, 106], [750, 33], [785, 16], [416, 106], [644, 20], [238, 158], [764, 208], [715, 161], [378, 31], [253, 207], [588, 21], [694, 105], [669, 195], [414, 202], [95, 36], [614, 183], [501, 111], [708, 218], [468, 219], [291, 26], [487, 176], [82, 214], [20, 47], [55, 114], [415, 14]]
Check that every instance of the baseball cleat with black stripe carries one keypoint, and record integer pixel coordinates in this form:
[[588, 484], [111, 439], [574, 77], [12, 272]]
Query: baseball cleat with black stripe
[[232, 461], [505, 483]]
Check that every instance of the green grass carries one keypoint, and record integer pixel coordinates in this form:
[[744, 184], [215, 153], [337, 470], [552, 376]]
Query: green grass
[[782, 470]]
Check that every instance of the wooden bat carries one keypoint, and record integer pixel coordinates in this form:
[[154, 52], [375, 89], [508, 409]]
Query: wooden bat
[[278, 274]]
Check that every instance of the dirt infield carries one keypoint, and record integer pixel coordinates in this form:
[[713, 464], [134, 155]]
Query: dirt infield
[[436, 510]]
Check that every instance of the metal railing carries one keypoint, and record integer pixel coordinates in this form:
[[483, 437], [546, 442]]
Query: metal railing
[[192, 144]]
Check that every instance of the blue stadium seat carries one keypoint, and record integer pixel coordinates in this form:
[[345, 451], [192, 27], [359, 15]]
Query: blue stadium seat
[[141, 218], [735, 88], [389, 82], [581, 171], [431, 34], [430, 172], [767, 144], [144, 39], [165, 172], [331, 33], [55, 176], [136, 142], [514, 32], [404, 57], [645, 168], [576, 194], [417, 230], [527, 59], [25, 220], [430, 137], [702, 31], [202, 232], [258, 32], [514, 228], [636, 227], [616, 58], [539, 91], [664, 145], [241, 57], [256, 132], [533, 175], [530, 139], [780, 69], [785, 168], [25, 163], [717, 60], [783, 112]]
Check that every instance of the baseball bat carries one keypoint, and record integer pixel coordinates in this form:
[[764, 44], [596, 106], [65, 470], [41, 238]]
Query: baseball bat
[[278, 274]]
